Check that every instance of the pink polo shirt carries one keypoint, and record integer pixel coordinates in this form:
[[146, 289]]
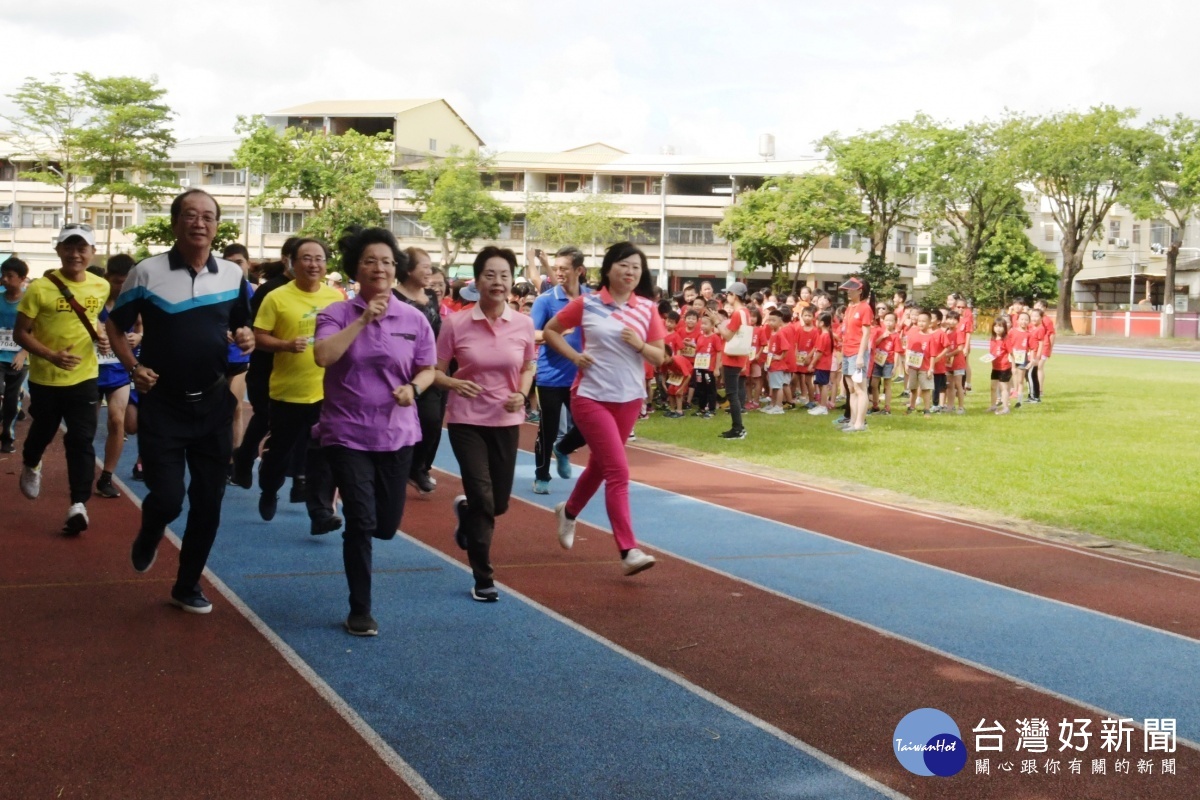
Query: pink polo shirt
[[491, 355]]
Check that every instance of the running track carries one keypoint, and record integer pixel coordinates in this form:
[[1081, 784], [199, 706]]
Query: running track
[[769, 654]]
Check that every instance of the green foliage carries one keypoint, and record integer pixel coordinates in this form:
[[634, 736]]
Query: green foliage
[[1008, 266], [336, 174], [126, 145], [157, 231], [589, 220], [787, 218], [889, 167], [882, 276], [46, 130], [454, 203]]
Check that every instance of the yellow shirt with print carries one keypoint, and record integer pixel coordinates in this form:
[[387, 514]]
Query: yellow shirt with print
[[288, 313], [58, 327]]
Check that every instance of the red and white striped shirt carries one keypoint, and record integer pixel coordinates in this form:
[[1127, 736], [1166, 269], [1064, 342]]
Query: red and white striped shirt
[[618, 375]]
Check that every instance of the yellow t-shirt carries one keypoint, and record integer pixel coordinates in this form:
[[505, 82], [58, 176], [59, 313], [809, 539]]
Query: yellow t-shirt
[[58, 327], [288, 313]]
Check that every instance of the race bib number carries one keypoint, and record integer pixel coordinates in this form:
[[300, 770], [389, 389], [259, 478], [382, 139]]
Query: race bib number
[[913, 359], [7, 345], [881, 357], [689, 348], [770, 359], [111, 358], [801, 358], [1018, 356], [704, 361], [674, 379], [753, 353]]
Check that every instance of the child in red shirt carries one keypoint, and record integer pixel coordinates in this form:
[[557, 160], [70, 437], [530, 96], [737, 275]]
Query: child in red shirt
[[917, 361], [1019, 346], [822, 360], [802, 386], [885, 340], [778, 376], [1000, 356], [754, 370], [938, 354], [1038, 336], [678, 372], [708, 346], [956, 362]]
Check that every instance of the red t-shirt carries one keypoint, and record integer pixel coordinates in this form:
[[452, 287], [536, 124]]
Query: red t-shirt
[[707, 345], [1018, 340], [781, 350], [736, 320], [762, 337], [887, 343], [920, 343], [673, 341], [1000, 354], [806, 340], [687, 340], [1048, 324], [1037, 336], [825, 345], [939, 344], [858, 315], [961, 337]]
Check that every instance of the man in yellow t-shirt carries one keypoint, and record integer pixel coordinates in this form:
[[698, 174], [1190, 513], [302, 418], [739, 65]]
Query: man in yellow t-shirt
[[63, 368], [285, 325]]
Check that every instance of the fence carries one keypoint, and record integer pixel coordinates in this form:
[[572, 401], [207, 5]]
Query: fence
[[1133, 324]]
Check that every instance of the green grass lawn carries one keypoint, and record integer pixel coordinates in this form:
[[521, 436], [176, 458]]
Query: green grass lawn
[[1114, 450]]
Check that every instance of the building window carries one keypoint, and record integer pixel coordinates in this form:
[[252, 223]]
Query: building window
[[904, 242], [285, 221], [568, 183], [122, 218], [634, 184], [41, 217], [1161, 234], [1048, 231], [848, 240], [8, 172], [692, 232], [228, 177], [504, 181], [1137, 233], [407, 226], [433, 145], [1114, 228], [647, 232], [923, 256]]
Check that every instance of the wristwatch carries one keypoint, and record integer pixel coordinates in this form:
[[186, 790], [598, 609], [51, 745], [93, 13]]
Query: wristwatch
[[416, 391]]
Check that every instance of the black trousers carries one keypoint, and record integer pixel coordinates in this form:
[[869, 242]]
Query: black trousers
[[258, 392], [487, 459], [76, 407], [552, 400], [735, 390], [373, 490], [705, 385], [939, 388], [13, 379], [431, 410], [1035, 383], [174, 434], [290, 447]]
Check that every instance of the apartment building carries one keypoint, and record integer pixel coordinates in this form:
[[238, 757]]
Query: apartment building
[[676, 201]]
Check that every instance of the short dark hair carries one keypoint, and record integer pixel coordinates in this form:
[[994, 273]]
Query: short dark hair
[[825, 318], [271, 269], [310, 240], [573, 253], [16, 265], [492, 251], [120, 264], [357, 239], [288, 248], [177, 203], [672, 315], [785, 312], [236, 249], [691, 312], [775, 312]]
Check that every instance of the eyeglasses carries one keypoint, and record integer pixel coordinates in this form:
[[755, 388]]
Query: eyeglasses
[[192, 216], [311, 259]]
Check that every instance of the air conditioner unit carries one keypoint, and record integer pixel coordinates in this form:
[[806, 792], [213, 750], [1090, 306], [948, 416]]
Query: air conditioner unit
[[208, 170], [1122, 243], [184, 182]]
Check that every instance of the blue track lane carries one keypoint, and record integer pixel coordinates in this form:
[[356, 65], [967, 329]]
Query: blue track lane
[[498, 700], [1121, 667]]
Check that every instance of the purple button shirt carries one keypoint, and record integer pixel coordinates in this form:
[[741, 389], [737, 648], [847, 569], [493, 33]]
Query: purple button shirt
[[360, 412]]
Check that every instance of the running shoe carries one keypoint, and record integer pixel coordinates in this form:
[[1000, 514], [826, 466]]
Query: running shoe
[[818, 411], [733, 433], [31, 481], [460, 505], [636, 561], [77, 520], [484, 594], [541, 487], [361, 625], [562, 463], [105, 488], [193, 603], [566, 526]]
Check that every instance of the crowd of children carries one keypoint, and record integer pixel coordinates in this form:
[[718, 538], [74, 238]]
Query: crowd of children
[[920, 355]]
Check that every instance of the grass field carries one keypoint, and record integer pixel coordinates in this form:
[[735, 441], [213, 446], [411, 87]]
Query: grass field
[[1113, 450]]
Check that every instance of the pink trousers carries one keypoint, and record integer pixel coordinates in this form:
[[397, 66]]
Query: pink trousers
[[605, 427]]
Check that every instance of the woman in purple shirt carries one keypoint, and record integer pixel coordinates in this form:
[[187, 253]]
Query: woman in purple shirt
[[378, 355]]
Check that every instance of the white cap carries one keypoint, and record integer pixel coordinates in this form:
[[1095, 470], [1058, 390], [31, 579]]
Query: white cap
[[79, 229], [470, 293], [335, 276]]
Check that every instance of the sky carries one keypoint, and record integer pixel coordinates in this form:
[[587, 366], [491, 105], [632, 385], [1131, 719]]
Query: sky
[[705, 78]]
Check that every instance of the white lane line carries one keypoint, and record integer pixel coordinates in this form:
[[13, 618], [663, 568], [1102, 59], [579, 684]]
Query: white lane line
[[389, 756]]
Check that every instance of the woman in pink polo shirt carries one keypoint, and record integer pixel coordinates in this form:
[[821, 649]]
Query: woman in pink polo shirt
[[378, 356], [621, 330], [493, 346]]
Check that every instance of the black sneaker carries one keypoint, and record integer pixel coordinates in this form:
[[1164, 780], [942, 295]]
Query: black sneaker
[[484, 594], [21, 415], [145, 550], [733, 433], [327, 525], [267, 505], [8, 447], [138, 474], [241, 474], [299, 492], [105, 488], [460, 505], [192, 603], [361, 625], [421, 482]]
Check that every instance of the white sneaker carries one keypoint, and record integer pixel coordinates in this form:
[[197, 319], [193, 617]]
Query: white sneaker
[[635, 561], [818, 411], [566, 527], [31, 481], [775, 410], [77, 519]]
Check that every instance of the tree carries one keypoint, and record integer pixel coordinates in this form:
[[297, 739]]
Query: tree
[[592, 219], [789, 217], [1082, 162], [888, 166], [454, 203], [335, 174], [157, 231], [46, 130], [1169, 187], [972, 185], [1007, 267], [125, 147], [882, 276]]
